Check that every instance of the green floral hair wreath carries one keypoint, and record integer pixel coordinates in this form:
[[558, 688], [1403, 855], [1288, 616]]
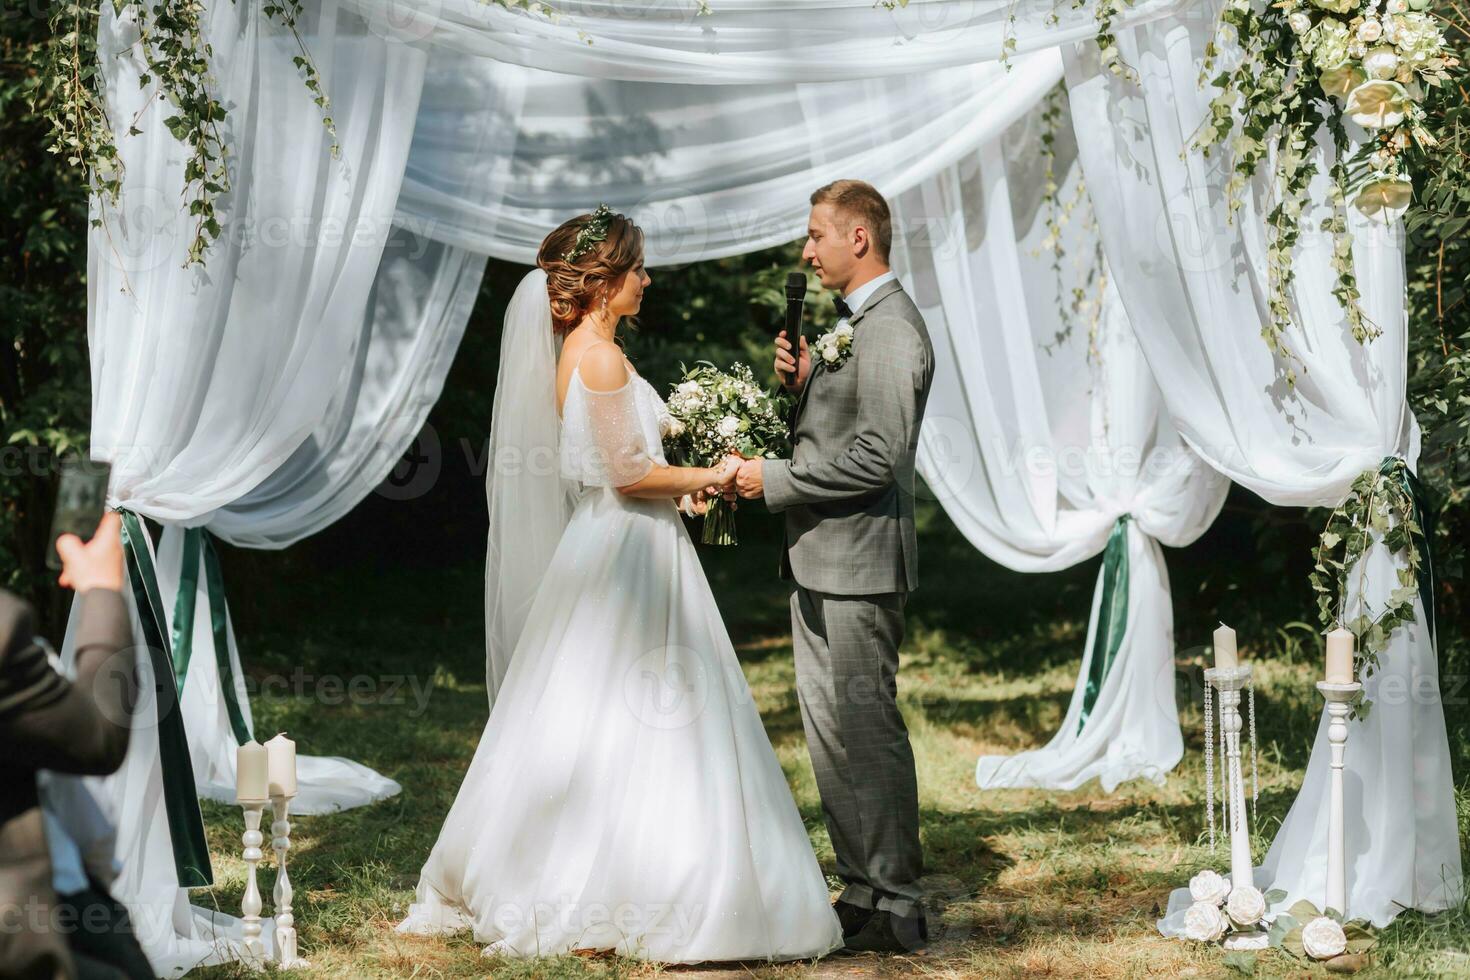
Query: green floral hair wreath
[[593, 232]]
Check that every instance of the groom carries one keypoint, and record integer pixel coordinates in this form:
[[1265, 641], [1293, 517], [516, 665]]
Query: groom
[[848, 494]]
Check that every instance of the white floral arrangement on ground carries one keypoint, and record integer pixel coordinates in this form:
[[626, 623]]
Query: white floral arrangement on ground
[[835, 346], [713, 413], [1219, 909], [1295, 68], [1309, 934]]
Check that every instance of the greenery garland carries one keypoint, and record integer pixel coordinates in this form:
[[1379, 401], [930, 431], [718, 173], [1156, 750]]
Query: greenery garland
[[1082, 297], [1379, 508], [1304, 66], [177, 59]]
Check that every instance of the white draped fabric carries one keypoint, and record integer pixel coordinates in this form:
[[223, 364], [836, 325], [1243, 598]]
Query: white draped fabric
[[503, 154], [740, 42], [1194, 287], [1042, 433], [205, 383]]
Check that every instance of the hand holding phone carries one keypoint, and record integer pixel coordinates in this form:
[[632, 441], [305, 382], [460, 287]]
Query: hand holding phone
[[95, 564], [81, 499]]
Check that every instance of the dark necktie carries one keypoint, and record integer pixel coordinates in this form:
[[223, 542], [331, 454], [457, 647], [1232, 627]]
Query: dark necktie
[[843, 313]]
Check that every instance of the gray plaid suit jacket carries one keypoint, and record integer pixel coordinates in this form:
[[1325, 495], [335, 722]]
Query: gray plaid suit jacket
[[848, 490]]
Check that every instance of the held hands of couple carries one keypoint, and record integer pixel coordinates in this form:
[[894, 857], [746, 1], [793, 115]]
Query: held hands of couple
[[737, 476], [724, 481], [786, 363]]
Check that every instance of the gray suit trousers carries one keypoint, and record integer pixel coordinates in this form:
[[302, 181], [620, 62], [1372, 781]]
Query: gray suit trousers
[[846, 680]]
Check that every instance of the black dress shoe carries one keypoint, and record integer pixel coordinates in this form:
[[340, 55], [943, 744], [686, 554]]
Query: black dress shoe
[[852, 917], [889, 933]]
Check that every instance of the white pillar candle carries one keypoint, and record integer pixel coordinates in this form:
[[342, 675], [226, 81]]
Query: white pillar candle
[[282, 753], [1340, 656], [1225, 657], [251, 781]]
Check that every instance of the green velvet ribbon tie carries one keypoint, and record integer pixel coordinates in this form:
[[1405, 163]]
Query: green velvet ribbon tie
[[199, 544], [1112, 618], [180, 796]]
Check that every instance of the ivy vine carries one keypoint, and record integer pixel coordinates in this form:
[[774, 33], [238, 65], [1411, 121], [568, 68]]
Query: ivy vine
[[1379, 508], [177, 60], [1079, 290]]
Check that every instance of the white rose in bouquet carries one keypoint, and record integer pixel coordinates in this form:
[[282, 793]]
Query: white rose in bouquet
[[729, 427], [1246, 906], [1204, 922], [1369, 31], [1300, 22], [1323, 939], [1209, 886]]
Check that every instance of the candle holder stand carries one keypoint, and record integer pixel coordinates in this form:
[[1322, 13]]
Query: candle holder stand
[[1230, 682], [286, 953], [1339, 699], [252, 950]]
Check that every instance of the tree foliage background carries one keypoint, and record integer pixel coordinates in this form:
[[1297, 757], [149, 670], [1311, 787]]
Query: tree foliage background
[[717, 310]]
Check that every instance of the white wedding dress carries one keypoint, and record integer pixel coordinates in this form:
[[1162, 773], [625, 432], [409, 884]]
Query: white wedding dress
[[624, 795]]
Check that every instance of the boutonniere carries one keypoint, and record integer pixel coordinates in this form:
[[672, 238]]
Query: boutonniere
[[835, 346]]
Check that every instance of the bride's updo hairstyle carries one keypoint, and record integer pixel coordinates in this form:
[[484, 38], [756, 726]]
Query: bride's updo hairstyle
[[583, 259]]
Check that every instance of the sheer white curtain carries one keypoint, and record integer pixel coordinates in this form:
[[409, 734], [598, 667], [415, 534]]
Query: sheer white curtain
[[205, 382], [740, 42], [1194, 287], [1046, 442], [706, 171]]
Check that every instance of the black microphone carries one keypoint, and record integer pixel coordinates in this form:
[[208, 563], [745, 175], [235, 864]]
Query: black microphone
[[795, 297]]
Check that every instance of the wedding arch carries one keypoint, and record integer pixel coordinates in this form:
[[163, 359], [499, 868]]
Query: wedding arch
[[259, 397]]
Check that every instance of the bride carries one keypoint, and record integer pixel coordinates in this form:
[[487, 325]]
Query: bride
[[624, 795]]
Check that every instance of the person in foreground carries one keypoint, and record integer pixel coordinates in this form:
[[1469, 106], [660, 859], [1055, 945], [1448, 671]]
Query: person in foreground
[[624, 795], [848, 496], [72, 726]]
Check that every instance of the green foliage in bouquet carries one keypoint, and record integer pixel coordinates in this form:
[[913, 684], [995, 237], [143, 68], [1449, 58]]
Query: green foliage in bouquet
[[714, 413]]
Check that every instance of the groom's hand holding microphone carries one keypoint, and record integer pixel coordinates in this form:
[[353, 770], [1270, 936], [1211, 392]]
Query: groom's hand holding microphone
[[793, 368]]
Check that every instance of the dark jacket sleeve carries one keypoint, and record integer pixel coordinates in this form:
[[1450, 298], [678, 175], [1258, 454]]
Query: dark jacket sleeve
[[49, 722]]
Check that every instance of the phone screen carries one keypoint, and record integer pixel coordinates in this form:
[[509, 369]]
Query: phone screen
[[80, 501]]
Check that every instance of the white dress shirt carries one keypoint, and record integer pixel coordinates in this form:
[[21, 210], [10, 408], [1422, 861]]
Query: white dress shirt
[[859, 296]]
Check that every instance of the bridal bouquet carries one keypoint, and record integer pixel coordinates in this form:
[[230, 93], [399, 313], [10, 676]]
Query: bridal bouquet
[[714, 413]]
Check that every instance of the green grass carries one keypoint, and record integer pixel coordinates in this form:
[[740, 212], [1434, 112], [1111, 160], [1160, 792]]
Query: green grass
[[1035, 883]]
